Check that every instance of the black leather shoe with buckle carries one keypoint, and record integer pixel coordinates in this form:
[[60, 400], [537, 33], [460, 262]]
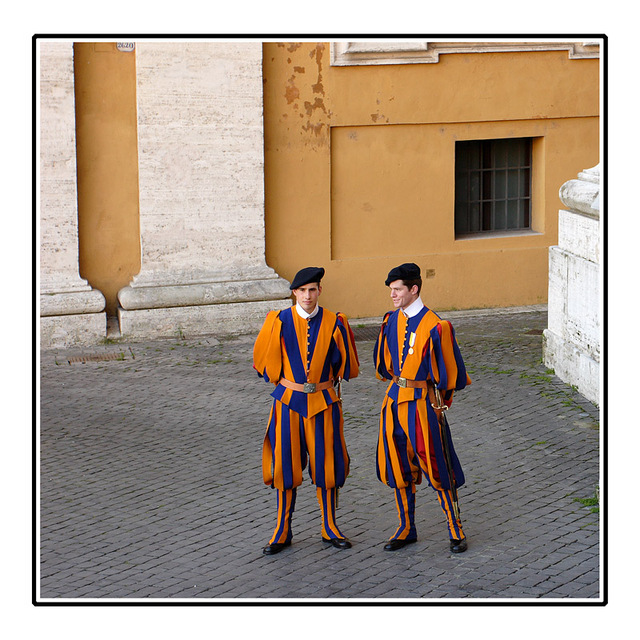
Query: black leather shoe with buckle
[[458, 546], [394, 545], [276, 547], [338, 543]]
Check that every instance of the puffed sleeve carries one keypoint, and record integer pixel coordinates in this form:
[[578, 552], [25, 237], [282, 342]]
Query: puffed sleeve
[[381, 355], [267, 350], [446, 367], [349, 366]]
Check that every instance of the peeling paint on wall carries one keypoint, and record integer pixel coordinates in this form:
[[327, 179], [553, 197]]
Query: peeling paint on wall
[[318, 103], [291, 92], [312, 110], [316, 128]]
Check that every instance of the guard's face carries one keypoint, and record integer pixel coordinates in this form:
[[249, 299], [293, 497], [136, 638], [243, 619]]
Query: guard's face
[[401, 295], [307, 296]]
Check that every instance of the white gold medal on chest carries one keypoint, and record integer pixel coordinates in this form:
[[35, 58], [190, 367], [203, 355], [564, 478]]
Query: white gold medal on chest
[[412, 341]]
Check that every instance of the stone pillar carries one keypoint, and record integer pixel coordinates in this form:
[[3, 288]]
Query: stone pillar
[[200, 147], [71, 312], [572, 340]]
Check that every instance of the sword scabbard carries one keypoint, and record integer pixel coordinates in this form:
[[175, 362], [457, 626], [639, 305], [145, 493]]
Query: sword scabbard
[[440, 407]]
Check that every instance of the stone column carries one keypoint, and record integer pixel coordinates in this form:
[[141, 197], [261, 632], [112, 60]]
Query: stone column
[[200, 147], [572, 339], [71, 312]]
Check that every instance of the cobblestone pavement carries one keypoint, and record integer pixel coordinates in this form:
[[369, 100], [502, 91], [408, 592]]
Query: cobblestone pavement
[[151, 487]]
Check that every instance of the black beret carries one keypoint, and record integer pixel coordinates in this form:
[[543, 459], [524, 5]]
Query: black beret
[[307, 275], [406, 271]]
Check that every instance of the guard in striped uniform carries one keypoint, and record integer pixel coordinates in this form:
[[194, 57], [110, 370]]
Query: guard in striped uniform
[[418, 354], [305, 351]]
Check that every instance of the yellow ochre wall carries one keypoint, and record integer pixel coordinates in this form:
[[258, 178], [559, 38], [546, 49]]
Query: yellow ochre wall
[[359, 169], [107, 161]]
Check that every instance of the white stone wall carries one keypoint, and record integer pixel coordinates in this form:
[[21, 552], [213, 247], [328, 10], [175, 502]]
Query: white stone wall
[[573, 337], [71, 312], [200, 146]]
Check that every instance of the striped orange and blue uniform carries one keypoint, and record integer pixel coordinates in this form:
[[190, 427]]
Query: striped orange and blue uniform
[[305, 427], [410, 438]]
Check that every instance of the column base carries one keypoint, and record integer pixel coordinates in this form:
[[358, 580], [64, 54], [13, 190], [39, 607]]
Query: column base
[[59, 332], [73, 316], [572, 365], [214, 319], [149, 294]]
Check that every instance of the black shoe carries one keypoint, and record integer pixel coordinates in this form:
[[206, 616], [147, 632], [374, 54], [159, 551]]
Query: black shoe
[[276, 547], [394, 545], [458, 546], [338, 543]]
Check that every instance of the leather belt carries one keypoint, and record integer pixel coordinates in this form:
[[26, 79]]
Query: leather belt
[[410, 384], [307, 387]]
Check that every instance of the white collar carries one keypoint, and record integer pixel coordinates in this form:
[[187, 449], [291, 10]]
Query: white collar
[[303, 314], [414, 308]]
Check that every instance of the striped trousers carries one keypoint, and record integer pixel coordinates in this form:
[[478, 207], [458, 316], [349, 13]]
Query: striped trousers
[[286, 502], [406, 506]]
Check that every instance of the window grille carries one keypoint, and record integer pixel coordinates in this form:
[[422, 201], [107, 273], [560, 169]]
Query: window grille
[[493, 185]]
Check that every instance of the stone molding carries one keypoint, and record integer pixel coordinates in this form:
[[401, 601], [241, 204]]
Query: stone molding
[[71, 303], [583, 195], [420, 52], [218, 319], [223, 292]]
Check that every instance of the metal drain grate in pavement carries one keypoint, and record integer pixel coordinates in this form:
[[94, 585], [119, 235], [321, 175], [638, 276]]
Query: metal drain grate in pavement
[[96, 357]]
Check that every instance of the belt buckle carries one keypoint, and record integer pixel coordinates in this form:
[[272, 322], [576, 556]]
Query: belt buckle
[[402, 382], [309, 387]]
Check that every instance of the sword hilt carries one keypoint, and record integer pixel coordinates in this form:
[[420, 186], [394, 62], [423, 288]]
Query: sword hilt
[[440, 406]]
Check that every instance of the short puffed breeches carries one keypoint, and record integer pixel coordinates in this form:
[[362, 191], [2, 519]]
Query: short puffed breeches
[[292, 440], [399, 463], [411, 442]]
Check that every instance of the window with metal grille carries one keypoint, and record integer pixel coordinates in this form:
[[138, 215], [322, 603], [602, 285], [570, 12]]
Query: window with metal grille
[[493, 185]]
